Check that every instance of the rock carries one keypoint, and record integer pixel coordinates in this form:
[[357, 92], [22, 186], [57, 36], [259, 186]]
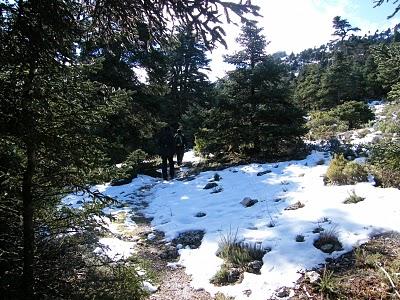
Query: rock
[[217, 177], [234, 275], [254, 266], [247, 202], [312, 276], [151, 237], [122, 181], [210, 185], [327, 248], [247, 293], [263, 172], [283, 292], [190, 238], [216, 190], [295, 206], [79, 202], [169, 253], [200, 214], [148, 287]]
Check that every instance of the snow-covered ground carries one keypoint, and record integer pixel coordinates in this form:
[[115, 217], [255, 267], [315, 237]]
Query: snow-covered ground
[[174, 206]]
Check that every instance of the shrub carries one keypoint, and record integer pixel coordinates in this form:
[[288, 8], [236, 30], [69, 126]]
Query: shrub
[[323, 125], [299, 238], [385, 163], [353, 198], [239, 254], [132, 165], [349, 115], [354, 173], [327, 283], [391, 121], [222, 277], [334, 174], [341, 171], [354, 113]]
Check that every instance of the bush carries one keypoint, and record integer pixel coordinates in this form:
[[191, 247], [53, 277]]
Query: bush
[[323, 125], [391, 121], [132, 165], [354, 113], [349, 115], [385, 163], [341, 171]]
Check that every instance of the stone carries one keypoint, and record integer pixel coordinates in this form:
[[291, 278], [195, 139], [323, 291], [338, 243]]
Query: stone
[[263, 172], [312, 276], [295, 206], [255, 266], [217, 190], [200, 214], [191, 239], [327, 248], [234, 275], [283, 292], [170, 252], [247, 202], [210, 185], [150, 288]]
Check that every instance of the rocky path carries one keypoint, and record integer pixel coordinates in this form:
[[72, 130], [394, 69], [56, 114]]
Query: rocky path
[[171, 282]]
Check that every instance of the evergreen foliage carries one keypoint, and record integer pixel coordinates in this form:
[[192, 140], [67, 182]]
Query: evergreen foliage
[[253, 116], [385, 163]]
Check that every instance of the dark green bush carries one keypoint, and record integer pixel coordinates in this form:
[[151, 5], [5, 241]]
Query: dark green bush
[[354, 113]]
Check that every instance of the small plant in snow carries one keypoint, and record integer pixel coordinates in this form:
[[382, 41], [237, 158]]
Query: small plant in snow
[[328, 241], [223, 277], [353, 198], [300, 238]]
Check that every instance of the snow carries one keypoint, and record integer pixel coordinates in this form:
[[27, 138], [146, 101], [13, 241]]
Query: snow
[[173, 205], [115, 249]]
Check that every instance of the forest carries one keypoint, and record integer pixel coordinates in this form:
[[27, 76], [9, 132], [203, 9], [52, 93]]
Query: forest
[[73, 106]]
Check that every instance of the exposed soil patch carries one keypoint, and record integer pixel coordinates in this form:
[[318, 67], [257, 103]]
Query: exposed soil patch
[[360, 274], [173, 283]]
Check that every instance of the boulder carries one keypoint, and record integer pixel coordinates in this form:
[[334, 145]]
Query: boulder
[[295, 206], [263, 172], [247, 202], [210, 185]]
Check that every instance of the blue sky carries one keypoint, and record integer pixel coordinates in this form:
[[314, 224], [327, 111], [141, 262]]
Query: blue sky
[[294, 25]]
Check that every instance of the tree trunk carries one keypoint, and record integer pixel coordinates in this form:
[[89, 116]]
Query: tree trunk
[[28, 229]]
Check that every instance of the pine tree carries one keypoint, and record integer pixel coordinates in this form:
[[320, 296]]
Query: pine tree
[[253, 116]]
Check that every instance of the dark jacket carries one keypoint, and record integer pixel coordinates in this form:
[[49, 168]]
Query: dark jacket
[[180, 140], [166, 142]]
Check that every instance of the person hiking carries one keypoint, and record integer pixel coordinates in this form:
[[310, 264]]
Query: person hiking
[[166, 145], [180, 143]]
